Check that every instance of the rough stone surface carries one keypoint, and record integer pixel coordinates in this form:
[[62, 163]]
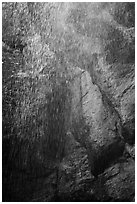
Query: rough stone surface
[[95, 138], [98, 161], [76, 183], [120, 181], [98, 122], [74, 177], [117, 81]]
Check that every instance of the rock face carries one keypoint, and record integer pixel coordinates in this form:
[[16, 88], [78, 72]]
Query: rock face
[[99, 143], [117, 183], [122, 184], [91, 132], [117, 81], [76, 183], [100, 126], [103, 118]]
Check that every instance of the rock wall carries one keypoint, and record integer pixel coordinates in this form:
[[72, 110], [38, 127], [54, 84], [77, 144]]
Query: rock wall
[[96, 146], [103, 122], [100, 125], [60, 146], [117, 81]]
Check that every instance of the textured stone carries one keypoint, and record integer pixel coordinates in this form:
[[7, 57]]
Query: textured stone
[[117, 81], [96, 124], [121, 187]]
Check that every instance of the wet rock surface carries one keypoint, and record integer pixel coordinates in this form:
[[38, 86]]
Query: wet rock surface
[[117, 81], [76, 182], [101, 130], [72, 141], [93, 168]]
